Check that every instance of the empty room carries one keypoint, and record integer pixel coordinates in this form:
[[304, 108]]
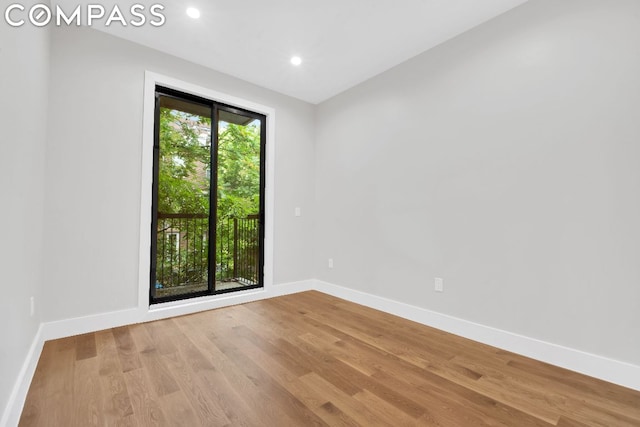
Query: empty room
[[294, 213]]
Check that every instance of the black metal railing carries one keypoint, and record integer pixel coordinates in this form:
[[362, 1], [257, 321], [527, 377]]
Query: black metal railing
[[183, 250]]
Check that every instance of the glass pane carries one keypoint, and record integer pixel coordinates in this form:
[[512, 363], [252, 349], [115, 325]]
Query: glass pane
[[238, 201], [183, 198]]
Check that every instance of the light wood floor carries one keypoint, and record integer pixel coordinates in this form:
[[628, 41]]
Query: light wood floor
[[302, 360]]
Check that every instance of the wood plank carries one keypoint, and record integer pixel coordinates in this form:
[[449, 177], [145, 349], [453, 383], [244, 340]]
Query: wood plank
[[568, 422], [385, 413], [598, 392], [277, 397], [141, 338], [87, 411], [127, 351], [352, 407], [205, 407], [222, 387], [53, 387], [34, 408], [116, 401], [277, 364], [146, 408], [107, 354], [178, 410], [158, 374], [85, 346], [162, 333]]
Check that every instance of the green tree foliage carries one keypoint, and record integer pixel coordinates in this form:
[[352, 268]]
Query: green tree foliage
[[184, 188], [238, 170], [183, 185]]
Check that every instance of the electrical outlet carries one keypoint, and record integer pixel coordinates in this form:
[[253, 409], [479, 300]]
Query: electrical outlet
[[297, 212], [439, 284], [330, 262], [32, 302]]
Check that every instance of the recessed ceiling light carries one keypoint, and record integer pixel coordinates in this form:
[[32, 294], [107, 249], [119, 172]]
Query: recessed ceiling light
[[296, 60], [194, 13]]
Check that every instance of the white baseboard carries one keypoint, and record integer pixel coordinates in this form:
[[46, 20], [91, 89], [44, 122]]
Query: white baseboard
[[13, 410], [83, 325], [614, 371]]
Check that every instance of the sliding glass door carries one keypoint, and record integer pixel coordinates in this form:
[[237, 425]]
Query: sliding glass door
[[208, 198]]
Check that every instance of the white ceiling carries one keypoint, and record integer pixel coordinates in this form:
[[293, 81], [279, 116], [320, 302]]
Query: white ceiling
[[342, 42]]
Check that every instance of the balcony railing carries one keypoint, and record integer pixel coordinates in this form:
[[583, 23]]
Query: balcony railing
[[183, 251]]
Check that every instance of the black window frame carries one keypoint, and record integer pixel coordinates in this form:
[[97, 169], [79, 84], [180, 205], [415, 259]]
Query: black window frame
[[215, 107]]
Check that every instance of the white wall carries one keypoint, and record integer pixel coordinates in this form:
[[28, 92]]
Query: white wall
[[506, 162], [94, 166], [24, 64]]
